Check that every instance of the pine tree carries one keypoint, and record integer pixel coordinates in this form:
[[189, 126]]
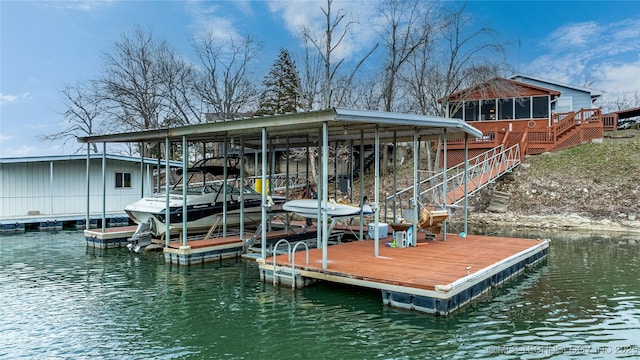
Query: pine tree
[[282, 87]]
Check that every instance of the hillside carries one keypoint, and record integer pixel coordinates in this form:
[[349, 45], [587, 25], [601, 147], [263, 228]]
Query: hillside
[[594, 186]]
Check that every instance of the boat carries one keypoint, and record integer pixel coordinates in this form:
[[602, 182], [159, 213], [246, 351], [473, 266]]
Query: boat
[[309, 208], [205, 201]]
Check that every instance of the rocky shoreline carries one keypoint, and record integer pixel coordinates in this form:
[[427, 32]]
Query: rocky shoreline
[[566, 222]]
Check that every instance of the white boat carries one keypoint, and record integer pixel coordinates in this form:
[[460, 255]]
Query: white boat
[[309, 208], [204, 200]]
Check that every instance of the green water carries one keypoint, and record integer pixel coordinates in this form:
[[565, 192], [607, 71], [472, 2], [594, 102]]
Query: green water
[[62, 300]]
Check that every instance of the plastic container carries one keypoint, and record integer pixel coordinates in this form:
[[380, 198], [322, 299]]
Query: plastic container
[[383, 230]]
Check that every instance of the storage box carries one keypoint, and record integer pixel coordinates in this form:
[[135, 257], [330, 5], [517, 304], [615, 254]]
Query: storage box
[[400, 237], [407, 230], [383, 230]]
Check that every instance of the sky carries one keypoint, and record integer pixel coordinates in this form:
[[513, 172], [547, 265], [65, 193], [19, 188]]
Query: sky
[[46, 46]]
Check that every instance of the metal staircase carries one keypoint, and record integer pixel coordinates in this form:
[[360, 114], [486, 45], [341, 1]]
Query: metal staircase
[[447, 188]]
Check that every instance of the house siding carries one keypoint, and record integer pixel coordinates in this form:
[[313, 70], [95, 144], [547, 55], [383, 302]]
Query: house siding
[[580, 99], [59, 187]]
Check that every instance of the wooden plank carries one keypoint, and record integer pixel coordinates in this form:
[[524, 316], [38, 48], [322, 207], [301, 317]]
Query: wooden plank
[[425, 266]]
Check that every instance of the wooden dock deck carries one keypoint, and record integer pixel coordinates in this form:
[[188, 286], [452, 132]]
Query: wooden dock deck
[[434, 277]]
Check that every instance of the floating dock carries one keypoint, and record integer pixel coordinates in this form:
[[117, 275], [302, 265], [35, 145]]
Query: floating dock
[[60, 221], [436, 277], [111, 237]]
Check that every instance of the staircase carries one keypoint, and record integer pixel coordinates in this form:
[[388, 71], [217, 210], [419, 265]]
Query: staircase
[[447, 189]]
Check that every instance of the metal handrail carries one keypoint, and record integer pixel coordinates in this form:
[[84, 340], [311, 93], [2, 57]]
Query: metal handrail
[[275, 248], [293, 262], [482, 169]]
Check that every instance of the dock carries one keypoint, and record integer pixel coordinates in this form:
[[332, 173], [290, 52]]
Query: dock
[[114, 237], [60, 221], [436, 277]]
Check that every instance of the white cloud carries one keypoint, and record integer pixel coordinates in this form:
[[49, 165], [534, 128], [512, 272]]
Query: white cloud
[[579, 34], [8, 98], [605, 56], [210, 18], [24, 150], [620, 78], [362, 17]]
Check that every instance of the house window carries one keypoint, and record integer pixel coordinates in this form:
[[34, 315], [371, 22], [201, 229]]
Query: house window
[[523, 108], [471, 111], [540, 107], [488, 110], [123, 180], [455, 109], [505, 109]]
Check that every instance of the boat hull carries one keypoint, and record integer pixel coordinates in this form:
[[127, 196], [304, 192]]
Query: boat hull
[[200, 216], [309, 208]]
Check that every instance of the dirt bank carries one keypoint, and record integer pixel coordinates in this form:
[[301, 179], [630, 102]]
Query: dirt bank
[[591, 187]]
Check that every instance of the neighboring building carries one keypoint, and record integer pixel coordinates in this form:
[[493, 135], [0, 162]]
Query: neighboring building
[[56, 186], [538, 114], [570, 99]]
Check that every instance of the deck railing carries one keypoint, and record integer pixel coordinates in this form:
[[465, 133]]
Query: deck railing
[[481, 170], [589, 123]]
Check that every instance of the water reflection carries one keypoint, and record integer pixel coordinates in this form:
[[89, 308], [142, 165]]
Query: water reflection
[[63, 300]]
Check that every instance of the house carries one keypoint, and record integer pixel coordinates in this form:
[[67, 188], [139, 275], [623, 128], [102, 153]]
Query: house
[[53, 189], [540, 115]]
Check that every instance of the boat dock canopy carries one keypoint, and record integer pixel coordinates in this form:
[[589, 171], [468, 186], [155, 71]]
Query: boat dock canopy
[[302, 129]]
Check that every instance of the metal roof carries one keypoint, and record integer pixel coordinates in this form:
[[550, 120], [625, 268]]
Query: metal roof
[[48, 158], [302, 129]]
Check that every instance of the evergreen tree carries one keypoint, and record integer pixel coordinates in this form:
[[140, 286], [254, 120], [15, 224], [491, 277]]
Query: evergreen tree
[[282, 87]]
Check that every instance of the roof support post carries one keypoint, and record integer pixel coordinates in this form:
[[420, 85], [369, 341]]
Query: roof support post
[[241, 188], [466, 180], [167, 188], [225, 194], [361, 180], [416, 183], [325, 192], [376, 185], [263, 228], [395, 177], [104, 186], [185, 164], [87, 225], [444, 182], [141, 172]]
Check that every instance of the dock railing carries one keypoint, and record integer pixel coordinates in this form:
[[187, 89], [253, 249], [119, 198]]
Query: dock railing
[[482, 170]]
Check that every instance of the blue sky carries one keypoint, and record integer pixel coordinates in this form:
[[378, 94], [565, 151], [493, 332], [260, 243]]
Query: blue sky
[[48, 45]]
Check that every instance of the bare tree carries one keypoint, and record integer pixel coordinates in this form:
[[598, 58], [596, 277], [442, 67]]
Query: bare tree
[[81, 115], [225, 82], [310, 79], [132, 85], [183, 105], [327, 48], [464, 48], [405, 31]]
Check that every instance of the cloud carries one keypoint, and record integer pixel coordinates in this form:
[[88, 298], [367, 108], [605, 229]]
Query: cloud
[[83, 5], [209, 18], [576, 35], [603, 56], [8, 98], [620, 78], [21, 151], [362, 16]]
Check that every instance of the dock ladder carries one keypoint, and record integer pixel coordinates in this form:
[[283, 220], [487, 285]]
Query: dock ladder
[[291, 256]]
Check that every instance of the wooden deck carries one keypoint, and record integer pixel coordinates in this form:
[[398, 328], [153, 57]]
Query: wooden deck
[[425, 266], [436, 276]]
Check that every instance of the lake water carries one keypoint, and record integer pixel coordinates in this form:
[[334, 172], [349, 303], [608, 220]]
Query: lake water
[[62, 300]]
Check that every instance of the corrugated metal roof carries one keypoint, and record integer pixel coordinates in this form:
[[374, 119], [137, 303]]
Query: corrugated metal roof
[[47, 158], [301, 129]]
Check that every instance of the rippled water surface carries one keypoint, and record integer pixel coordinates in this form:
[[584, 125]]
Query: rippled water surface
[[62, 300]]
